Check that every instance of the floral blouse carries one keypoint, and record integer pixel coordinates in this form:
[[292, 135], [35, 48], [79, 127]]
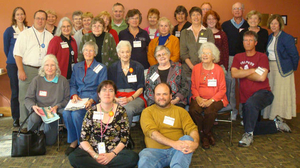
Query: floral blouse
[[117, 131]]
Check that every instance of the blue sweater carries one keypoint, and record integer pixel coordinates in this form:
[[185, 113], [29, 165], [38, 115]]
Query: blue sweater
[[286, 53], [9, 43]]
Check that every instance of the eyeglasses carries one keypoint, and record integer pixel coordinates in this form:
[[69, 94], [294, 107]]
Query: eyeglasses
[[207, 53], [98, 27], [161, 55], [76, 19], [90, 51], [238, 8], [66, 27], [42, 19], [248, 40]]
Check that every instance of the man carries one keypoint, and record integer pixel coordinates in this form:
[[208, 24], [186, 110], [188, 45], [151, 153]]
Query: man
[[77, 20], [30, 48], [169, 131], [118, 23], [232, 28], [252, 68]]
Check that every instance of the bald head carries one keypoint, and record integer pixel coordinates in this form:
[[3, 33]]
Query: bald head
[[237, 10]]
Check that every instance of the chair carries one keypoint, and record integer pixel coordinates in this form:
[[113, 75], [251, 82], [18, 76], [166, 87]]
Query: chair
[[60, 127]]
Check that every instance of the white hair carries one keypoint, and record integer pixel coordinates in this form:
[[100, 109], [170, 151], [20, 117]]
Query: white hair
[[45, 59]]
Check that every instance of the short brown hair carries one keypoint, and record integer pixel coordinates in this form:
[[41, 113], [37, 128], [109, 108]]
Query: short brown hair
[[278, 18], [105, 83], [133, 12], [179, 9], [214, 14], [97, 19], [153, 11], [105, 13], [251, 33], [195, 9]]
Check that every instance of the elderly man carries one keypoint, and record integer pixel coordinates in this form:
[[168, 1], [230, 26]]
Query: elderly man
[[118, 23], [77, 20], [171, 136], [232, 28], [30, 48]]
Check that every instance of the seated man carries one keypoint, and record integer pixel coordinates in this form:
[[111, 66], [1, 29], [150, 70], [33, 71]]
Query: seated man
[[169, 131], [252, 68]]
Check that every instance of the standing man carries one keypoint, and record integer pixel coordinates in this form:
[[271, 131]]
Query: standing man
[[77, 20], [30, 48], [232, 28], [171, 136], [118, 23]]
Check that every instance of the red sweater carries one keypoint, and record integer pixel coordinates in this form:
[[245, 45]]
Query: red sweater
[[115, 35]]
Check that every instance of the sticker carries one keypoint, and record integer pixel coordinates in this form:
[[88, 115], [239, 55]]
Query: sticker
[[241, 29], [98, 115], [137, 44], [259, 71], [97, 68], [101, 148], [131, 78], [202, 40], [43, 93], [154, 76], [217, 36], [64, 45], [212, 82], [16, 35], [169, 121]]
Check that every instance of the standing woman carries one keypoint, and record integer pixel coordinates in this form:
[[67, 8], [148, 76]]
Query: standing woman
[[211, 20], [64, 47], [10, 35], [152, 16], [107, 28], [283, 59], [180, 15], [51, 19], [86, 22]]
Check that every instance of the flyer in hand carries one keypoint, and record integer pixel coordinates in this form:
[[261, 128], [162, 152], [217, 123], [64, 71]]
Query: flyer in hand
[[47, 115]]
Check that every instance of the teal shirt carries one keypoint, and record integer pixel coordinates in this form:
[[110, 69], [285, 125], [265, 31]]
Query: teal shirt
[[119, 28]]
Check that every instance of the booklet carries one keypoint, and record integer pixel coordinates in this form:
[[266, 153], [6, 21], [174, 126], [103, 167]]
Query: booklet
[[47, 115], [76, 106]]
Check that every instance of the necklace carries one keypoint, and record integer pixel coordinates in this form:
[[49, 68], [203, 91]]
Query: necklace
[[106, 112]]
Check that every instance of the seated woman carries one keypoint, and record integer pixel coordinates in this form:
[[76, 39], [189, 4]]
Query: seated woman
[[51, 19], [128, 75], [169, 72], [166, 39], [86, 22], [106, 44], [152, 17], [86, 76], [48, 89], [209, 92], [104, 124], [107, 28], [180, 15], [63, 45]]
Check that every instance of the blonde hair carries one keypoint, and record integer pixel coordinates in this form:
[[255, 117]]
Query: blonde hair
[[105, 13], [87, 14], [253, 12], [278, 18], [164, 19], [51, 12]]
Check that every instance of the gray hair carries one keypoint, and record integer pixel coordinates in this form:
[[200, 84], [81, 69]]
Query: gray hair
[[45, 59], [161, 47], [164, 19], [58, 30], [214, 50], [123, 43], [90, 43], [239, 3]]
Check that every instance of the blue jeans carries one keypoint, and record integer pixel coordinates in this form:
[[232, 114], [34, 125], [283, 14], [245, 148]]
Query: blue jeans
[[12, 71], [258, 101], [158, 158]]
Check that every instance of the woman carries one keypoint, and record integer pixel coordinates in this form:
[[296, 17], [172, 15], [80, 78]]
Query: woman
[[18, 24], [51, 19], [128, 75], [169, 72], [138, 38], [253, 19], [209, 92], [211, 20], [86, 76], [152, 16], [166, 39], [112, 129], [107, 28], [48, 89], [86, 22], [283, 59], [63, 45], [191, 40], [180, 15], [106, 44]]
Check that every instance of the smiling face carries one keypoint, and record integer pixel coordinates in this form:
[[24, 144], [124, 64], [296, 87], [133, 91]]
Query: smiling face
[[107, 94], [249, 43], [237, 10], [106, 20], [207, 56], [205, 8], [124, 54], [66, 28], [196, 18], [162, 57], [253, 21], [89, 53], [40, 21], [86, 22], [19, 16], [118, 13], [275, 26], [51, 19], [97, 29], [134, 21], [180, 17], [49, 68], [77, 21], [162, 96], [211, 21], [164, 28], [153, 19]]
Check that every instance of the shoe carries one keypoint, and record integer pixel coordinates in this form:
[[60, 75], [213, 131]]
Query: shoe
[[281, 125], [211, 139], [246, 140], [233, 117], [16, 123], [242, 123], [205, 143], [69, 150]]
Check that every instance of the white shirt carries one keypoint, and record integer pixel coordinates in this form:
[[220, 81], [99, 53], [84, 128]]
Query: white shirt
[[271, 49], [78, 37], [28, 46]]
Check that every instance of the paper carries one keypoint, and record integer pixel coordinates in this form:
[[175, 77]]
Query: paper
[[47, 115], [76, 106]]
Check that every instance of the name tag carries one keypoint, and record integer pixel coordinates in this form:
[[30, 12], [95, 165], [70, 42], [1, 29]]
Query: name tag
[[202, 40], [137, 44], [97, 68], [177, 33], [98, 115], [101, 148], [154, 76], [241, 29], [43, 93], [217, 36], [259, 71], [64, 45], [131, 78], [212, 82], [169, 121], [151, 36], [16, 35]]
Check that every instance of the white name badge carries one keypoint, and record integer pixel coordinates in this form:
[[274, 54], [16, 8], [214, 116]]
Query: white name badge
[[16, 35], [154, 76], [64, 45], [151, 37], [202, 40], [137, 44], [217, 36], [169, 120], [177, 33], [43, 93], [97, 68], [101, 148], [131, 78], [259, 71], [98, 115], [212, 82]]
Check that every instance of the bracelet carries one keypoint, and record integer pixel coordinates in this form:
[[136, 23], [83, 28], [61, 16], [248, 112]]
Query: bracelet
[[132, 97], [114, 153], [88, 149], [95, 156]]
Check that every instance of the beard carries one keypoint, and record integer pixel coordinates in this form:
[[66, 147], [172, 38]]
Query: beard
[[163, 104]]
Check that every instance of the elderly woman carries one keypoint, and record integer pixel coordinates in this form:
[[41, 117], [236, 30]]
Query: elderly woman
[[10, 35], [105, 133], [138, 38], [48, 89], [106, 44], [107, 28], [209, 92], [253, 19], [64, 47], [191, 40], [211, 20], [128, 75], [86, 22], [169, 72], [166, 39], [86, 76], [152, 16], [51, 19], [180, 15], [283, 60]]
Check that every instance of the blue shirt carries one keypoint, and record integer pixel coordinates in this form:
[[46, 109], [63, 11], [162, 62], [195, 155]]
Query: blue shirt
[[237, 25]]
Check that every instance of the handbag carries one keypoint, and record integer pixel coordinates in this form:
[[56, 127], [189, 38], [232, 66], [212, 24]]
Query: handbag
[[31, 143]]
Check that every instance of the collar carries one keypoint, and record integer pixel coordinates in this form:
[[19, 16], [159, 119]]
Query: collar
[[120, 23], [17, 30], [55, 80], [37, 30], [237, 25], [65, 39], [278, 34], [201, 28], [119, 66]]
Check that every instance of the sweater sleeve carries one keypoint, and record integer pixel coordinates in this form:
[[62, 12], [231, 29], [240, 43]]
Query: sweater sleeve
[[225, 50], [183, 86], [221, 84], [66, 87], [292, 51], [194, 80], [239, 47], [147, 123], [6, 40], [112, 50], [151, 58], [187, 123], [210, 36], [53, 47], [80, 53], [184, 51], [175, 50], [149, 88]]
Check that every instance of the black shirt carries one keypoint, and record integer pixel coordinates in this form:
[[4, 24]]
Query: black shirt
[[163, 74], [71, 55], [99, 42], [185, 26]]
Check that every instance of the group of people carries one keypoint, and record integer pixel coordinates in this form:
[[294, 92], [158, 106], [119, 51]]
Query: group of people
[[125, 71]]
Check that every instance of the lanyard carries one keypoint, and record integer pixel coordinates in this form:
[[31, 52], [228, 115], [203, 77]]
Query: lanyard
[[102, 132], [40, 45]]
